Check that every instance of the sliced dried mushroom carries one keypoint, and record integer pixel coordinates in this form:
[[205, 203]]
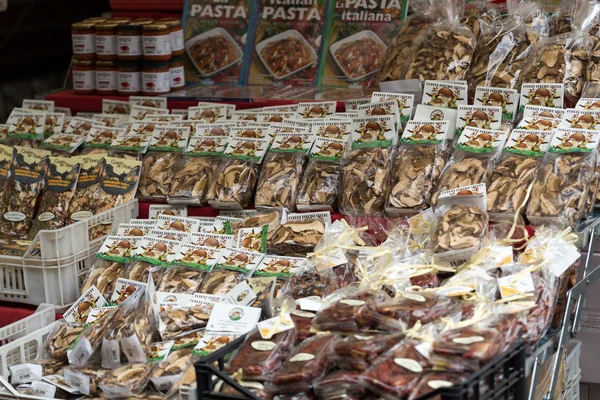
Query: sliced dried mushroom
[[104, 276], [175, 363], [181, 280], [478, 16], [192, 180], [468, 171], [50, 366], [414, 176], [510, 182], [279, 179], [220, 282], [319, 185], [21, 198], [58, 343], [364, 181], [234, 182], [132, 376], [460, 228], [295, 238], [158, 170], [95, 375], [181, 321], [140, 270]]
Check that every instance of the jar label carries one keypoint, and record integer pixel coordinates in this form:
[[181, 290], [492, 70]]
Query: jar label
[[106, 80], [129, 45], [106, 45], [14, 216], [156, 82], [129, 81], [177, 77], [45, 217], [84, 80], [159, 45], [84, 44], [177, 40]]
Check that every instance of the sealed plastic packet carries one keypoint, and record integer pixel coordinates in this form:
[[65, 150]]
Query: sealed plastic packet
[[564, 178], [161, 161], [58, 341], [129, 146], [197, 170], [220, 281], [299, 235], [126, 381], [6, 157], [85, 201], [62, 144], [366, 169], [236, 176], [171, 367], [101, 137], [508, 99], [418, 165], [474, 155], [119, 182]]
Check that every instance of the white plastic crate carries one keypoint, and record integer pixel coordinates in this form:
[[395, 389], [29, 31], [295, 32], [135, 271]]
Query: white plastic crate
[[572, 362], [66, 255], [573, 389], [43, 316]]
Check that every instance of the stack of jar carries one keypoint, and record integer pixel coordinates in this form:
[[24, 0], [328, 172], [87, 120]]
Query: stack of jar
[[128, 57]]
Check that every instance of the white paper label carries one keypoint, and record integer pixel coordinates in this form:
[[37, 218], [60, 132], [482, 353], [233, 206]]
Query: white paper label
[[84, 80], [106, 80], [263, 345], [14, 216], [159, 45], [177, 40], [301, 357], [106, 45], [79, 381], [43, 389], [111, 354], [515, 284], [156, 82], [351, 302], [303, 314], [25, 373], [409, 364], [133, 349], [81, 353], [233, 318], [312, 303], [47, 216], [468, 340], [241, 294], [113, 392], [80, 215], [84, 44], [439, 384], [414, 297], [129, 45], [177, 77], [129, 82], [164, 383]]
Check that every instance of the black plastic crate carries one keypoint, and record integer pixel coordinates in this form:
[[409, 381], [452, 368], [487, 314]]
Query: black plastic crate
[[503, 378]]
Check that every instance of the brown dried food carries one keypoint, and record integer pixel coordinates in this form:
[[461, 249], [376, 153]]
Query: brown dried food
[[471, 343], [468, 171], [303, 322], [85, 199], [310, 283], [192, 180], [434, 380], [478, 16], [339, 385], [319, 186], [181, 321], [220, 282], [58, 343], [279, 180], [510, 182], [139, 322], [158, 170], [418, 306], [20, 198], [460, 228], [561, 187], [176, 362], [364, 182], [95, 376], [234, 182], [56, 204], [415, 174], [295, 238], [131, 376], [359, 353], [139, 271], [181, 280], [50, 366], [104, 275]]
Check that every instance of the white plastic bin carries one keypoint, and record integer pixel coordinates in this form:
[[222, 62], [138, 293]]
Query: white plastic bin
[[573, 371], [43, 316], [67, 254], [573, 391]]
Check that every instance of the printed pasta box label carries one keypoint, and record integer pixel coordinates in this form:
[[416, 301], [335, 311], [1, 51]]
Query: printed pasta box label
[[63, 142], [373, 132], [168, 138], [216, 129], [574, 141], [581, 119], [476, 140], [328, 149], [444, 94], [405, 103], [208, 114], [508, 99], [279, 266], [539, 123], [425, 132], [102, 136], [235, 259], [481, 117], [315, 109], [115, 107], [174, 223], [588, 103], [156, 251], [79, 311], [528, 143], [26, 125], [543, 112], [542, 94]]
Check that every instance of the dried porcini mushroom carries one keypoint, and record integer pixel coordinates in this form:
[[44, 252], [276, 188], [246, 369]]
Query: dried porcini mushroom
[[234, 182], [192, 179], [181, 321], [466, 172], [175, 363], [319, 185], [94, 374], [181, 280], [158, 170], [295, 238], [279, 179], [364, 182], [442, 53], [460, 228], [140, 270], [510, 182], [104, 276], [58, 343], [50, 366], [414, 176], [561, 188], [132, 376], [220, 282]]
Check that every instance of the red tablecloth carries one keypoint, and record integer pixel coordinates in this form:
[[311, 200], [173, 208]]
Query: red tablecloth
[[13, 312]]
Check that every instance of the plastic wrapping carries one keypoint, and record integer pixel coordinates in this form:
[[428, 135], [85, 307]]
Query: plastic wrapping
[[86, 199], [359, 352], [58, 341], [339, 384], [192, 180], [171, 369], [234, 182], [104, 275], [94, 375], [158, 171], [472, 342], [91, 337], [140, 270], [179, 279], [128, 380], [297, 237], [433, 381], [318, 189], [221, 281], [178, 322], [410, 307], [279, 180], [479, 14], [302, 321]]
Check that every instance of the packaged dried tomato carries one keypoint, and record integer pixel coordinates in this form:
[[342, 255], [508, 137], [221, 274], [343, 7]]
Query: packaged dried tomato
[[471, 342], [359, 352], [411, 307], [308, 362], [339, 385], [303, 321], [434, 381], [311, 283]]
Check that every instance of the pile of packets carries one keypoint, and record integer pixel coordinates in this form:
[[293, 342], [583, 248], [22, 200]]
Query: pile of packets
[[358, 315]]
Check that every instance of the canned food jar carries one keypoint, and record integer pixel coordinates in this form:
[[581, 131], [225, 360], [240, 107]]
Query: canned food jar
[[156, 78], [157, 42], [177, 73], [84, 77], [120, 20], [129, 78], [129, 42], [143, 21], [106, 41], [106, 78], [95, 20], [84, 42], [176, 35]]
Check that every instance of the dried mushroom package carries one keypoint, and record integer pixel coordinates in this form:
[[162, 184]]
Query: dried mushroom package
[[156, 251], [217, 129], [61, 182], [366, 169], [474, 154], [6, 157], [563, 181], [25, 182], [236, 176], [101, 137], [129, 146], [197, 170], [85, 201], [418, 165], [508, 99], [53, 123], [405, 103], [119, 182], [282, 170], [24, 125], [546, 95], [483, 117], [62, 144], [196, 256], [460, 227], [510, 182], [299, 235], [446, 94]]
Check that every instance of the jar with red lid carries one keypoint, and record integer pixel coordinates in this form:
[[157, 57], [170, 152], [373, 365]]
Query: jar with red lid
[[129, 78], [156, 40], [106, 78], [177, 73], [106, 41], [84, 77], [176, 34], [84, 40], [156, 78]]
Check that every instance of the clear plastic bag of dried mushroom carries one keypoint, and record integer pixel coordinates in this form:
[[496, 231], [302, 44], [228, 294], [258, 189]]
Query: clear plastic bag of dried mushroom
[[279, 179], [297, 237], [84, 203], [104, 275], [479, 14], [158, 171], [192, 180]]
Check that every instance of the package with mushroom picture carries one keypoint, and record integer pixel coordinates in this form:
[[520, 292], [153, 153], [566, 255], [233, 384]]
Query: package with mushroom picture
[[356, 41]]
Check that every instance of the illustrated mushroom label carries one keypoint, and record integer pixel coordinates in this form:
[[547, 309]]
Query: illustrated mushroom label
[[508, 99], [542, 94], [581, 119], [482, 117], [588, 103], [543, 112], [444, 94]]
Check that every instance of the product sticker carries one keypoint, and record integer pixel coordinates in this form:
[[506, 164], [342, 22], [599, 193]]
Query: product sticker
[[63, 142], [90, 174], [438, 384], [138, 113], [508, 99], [246, 149], [81, 352], [352, 104], [323, 216], [80, 310], [175, 211], [542, 94], [253, 239], [78, 381], [206, 145], [146, 128], [82, 126], [478, 189], [241, 294], [405, 103], [217, 129], [97, 313], [373, 132], [133, 350], [213, 341], [338, 129], [274, 116], [254, 130], [539, 123], [328, 149], [39, 105], [581, 119], [26, 125], [479, 141], [43, 389], [316, 109], [115, 107], [156, 251], [194, 256], [429, 113], [102, 136], [25, 373], [112, 392], [574, 141], [53, 123], [133, 142], [272, 326], [296, 142], [125, 288], [425, 132], [233, 318], [409, 364], [478, 117], [109, 120], [302, 357], [168, 222], [59, 382], [279, 266], [237, 213], [444, 94], [168, 138], [528, 143], [311, 303], [389, 107], [588, 103], [148, 101], [208, 114], [543, 112], [516, 284], [559, 265], [235, 259]]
